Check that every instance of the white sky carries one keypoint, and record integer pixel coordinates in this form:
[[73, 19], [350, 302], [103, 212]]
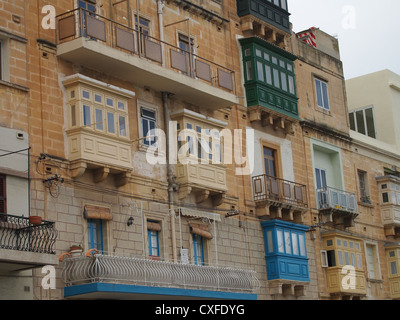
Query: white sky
[[368, 31]]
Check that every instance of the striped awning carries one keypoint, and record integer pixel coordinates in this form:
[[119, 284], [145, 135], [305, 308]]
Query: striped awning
[[199, 214]]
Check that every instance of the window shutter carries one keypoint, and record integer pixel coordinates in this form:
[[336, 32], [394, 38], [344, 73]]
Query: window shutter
[[3, 206]]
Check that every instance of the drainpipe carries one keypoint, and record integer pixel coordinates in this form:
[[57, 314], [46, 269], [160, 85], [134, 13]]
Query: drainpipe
[[172, 185], [160, 8]]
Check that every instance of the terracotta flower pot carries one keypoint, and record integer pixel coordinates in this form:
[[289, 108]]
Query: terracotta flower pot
[[35, 220]]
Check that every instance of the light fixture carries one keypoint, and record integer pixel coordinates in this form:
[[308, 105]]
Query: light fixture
[[130, 221]]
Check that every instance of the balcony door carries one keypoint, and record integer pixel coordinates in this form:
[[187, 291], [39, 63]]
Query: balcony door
[[320, 176], [95, 232], [89, 7]]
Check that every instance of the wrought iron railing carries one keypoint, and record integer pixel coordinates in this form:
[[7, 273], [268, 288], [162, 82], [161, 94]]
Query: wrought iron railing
[[331, 198], [273, 189], [156, 273], [17, 233], [82, 23]]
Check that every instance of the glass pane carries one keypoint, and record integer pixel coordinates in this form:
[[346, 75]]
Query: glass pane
[[260, 71], [288, 247], [86, 116], [360, 122], [110, 102], [99, 119], [369, 117], [302, 245], [249, 71], [353, 260], [98, 98], [346, 258], [121, 105], [359, 262], [325, 95], [352, 121], [122, 126], [279, 237], [295, 244], [85, 94], [291, 85], [283, 81], [393, 267], [276, 78], [319, 92], [268, 74], [110, 122], [270, 242], [340, 255]]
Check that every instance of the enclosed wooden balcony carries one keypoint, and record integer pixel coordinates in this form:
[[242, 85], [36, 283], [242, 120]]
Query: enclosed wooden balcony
[[389, 203], [279, 199], [101, 44]]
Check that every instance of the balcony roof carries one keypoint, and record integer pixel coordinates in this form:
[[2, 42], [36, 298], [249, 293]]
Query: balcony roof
[[101, 57]]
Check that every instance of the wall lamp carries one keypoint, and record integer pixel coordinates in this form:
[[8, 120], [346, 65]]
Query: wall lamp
[[130, 221]]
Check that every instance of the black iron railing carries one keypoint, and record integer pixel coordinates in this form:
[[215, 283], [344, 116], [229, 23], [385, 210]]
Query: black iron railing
[[18, 233]]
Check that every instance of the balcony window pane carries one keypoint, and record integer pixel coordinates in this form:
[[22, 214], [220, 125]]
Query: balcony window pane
[[288, 247], [302, 245], [249, 71], [268, 74], [283, 81], [122, 126], [393, 267], [352, 121], [86, 116], [340, 256], [99, 119], [291, 85], [295, 244], [276, 78], [260, 71], [270, 242], [279, 237], [110, 122]]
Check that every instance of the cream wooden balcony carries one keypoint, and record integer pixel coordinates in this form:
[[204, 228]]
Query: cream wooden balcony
[[340, 286], [100, 153], [204, 180], [389, 203], [104, 45]]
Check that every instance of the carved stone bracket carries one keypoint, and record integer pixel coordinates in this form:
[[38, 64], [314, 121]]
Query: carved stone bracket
[[272, 119]]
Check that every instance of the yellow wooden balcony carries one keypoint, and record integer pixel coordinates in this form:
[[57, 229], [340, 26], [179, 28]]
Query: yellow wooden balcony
[[389, 202], [339, 285]]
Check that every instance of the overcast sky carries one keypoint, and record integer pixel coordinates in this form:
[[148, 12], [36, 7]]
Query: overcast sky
[[368, 31]]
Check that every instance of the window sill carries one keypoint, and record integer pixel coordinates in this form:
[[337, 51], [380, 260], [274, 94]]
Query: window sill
[[365, 204], [14, 85]]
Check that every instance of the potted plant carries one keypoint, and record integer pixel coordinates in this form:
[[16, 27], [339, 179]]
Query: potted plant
[[75, 249], [35, 220]]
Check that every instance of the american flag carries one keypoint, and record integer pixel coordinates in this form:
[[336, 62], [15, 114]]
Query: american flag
[[308, 37]]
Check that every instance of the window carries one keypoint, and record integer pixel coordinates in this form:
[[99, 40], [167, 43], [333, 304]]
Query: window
[[320, 177], [89, 7], [198, 249], [269, 162], [363, 186], [98, 110], [321, 88], [153, 234], [144, 30], [154, 246], [392, 255], [183, 43], [95, 233], [372, 261], [148, 123], [280, 3], [202, 141], [363, 122], [3, 198]]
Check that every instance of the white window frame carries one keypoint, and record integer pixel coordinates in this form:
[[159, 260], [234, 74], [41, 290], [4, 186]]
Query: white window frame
[[353, 114], [326, 104], [377, 264], [156, 110]]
